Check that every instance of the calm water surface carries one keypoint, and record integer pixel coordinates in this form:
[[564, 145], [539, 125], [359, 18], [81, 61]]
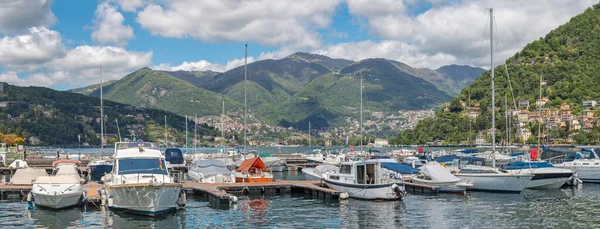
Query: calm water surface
[[564, 208]]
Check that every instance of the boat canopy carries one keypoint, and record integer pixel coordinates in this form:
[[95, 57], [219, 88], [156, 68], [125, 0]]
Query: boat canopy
[[26, 176], [66, 161], [463, 160], [446, 158], [212, 167], [252, 163], [528, 165], [399, 168], [380, 157], [438, 173], [174, 156]]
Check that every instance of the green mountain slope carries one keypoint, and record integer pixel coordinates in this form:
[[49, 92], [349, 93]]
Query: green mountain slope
[[337, 95], [568, 59], [156, 89], [94, 89], [56, 117]]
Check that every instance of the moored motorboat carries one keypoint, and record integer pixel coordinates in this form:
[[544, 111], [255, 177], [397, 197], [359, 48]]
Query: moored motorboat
[[433, 174], [61, 190], [317, 172], [545, 175], [493, 180], [252, 170], [588, 169], [140, 182], [210, 171], [275, 164], [366, 180]]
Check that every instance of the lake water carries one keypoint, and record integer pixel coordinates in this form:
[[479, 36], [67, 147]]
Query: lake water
[[564, 208]]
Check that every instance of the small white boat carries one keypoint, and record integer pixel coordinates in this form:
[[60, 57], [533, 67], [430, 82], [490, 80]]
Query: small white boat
[[61, 190], [18, 164], [210, 171], [140, 182], [493, 180], [317, 172], [433, 174], [412, 161], [545, 175], [26, 176], [588, 170], [366, 180]]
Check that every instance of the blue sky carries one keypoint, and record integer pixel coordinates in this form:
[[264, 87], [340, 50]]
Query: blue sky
[[61, 44]]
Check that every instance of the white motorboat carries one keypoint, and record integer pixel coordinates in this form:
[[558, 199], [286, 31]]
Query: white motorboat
[[61, 190], [546, 176], [493, 180], [367, 180], [588, 170], [317, 172], [433, 174], [140, 182], [210, 171], [501, 159], [413, 161]]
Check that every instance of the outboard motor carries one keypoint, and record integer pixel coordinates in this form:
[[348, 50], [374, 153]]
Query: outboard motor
[[398, 190], [182, 199]]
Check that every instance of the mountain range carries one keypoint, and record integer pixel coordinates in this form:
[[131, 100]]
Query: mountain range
[[293, 90]]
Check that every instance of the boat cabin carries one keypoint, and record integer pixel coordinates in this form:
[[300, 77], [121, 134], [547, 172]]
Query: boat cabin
[[366, 172], [174, 156], [139, 158]]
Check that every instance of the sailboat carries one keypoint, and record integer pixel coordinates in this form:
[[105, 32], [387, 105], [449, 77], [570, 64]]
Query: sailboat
[[372, 179], [97, 168], [493, 179]]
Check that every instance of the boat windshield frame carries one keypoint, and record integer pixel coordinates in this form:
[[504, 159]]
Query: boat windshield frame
[[136, 145]]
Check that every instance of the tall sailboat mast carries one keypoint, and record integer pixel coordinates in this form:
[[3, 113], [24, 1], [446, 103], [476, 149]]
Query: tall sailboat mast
[[101, 115], [222, 123], [166, 138], [361, 114], [195, 132], [245, 91], [492, 76], [186, 134], [309, 143]]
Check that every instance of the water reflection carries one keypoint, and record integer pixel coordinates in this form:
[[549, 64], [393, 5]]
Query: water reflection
[[50, 218], [359, 213], [256, 211], [168, 220]]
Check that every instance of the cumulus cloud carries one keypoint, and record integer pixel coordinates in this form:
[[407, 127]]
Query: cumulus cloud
[[202, 65], [109, 28], [19, 15], [29, 51], [130, 5], [459, 29], [272, 23]]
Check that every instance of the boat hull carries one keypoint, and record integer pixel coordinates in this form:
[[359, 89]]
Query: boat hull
[[253, 179], [586, 174], [497, 182], [56, 200], [367, 192], [309, 174], [277, 168], [144, 199], [446, 187]]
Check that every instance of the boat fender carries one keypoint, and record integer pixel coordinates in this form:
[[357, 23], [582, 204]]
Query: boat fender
[[29, 197], [344, 195], [182, 199], [233, 199], [110, 201], [83, 195]]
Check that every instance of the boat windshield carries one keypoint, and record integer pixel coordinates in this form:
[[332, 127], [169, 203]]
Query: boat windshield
[[129, 145], [142, 165]]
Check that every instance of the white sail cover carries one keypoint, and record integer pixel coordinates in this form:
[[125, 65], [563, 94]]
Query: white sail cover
[[26, 176], [438, 173]]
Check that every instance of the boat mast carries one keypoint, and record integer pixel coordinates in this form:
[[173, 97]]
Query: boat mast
[[166, 138], [245, 91], [101, 115], [186, 135], [309, 144], [539, 119], [195, 132], [469, 115], [222, 123], [361, 114], [493, 105], [506, 123]]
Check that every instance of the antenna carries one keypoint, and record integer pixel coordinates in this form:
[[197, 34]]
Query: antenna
[[101, 115], [118, 129], [166, 138]]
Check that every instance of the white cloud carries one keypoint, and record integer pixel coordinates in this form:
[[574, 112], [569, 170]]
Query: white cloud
[[19, 15], [272, 23], [130, 5], [29, 51], [393, 50], [459, 28], [202, 65], [109, 28], [38, 79]]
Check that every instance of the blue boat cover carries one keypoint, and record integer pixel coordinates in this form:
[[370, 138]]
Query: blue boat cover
[[527, 165], [380, 157], [517, 154], [446, 158], [468, 151], [400, 168]]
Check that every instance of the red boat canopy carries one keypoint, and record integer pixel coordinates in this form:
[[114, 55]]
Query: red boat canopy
[[252, 163], [65, 161], [534, 154]]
